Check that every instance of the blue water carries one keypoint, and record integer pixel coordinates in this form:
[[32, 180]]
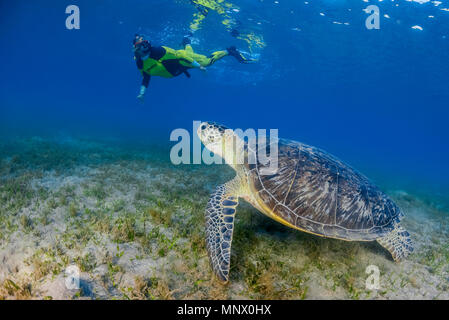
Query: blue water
[[378, 99]]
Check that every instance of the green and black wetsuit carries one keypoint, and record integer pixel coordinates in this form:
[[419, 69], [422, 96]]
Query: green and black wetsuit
[[168, 63]]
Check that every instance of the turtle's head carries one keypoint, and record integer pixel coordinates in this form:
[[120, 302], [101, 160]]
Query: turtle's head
[[217, 138]]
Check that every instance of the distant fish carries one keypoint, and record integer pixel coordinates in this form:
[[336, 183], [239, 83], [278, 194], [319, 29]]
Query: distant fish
[[417, 27]]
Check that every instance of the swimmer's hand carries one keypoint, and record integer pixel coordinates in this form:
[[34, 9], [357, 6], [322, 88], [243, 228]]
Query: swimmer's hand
[[195, 64], [141, 96]]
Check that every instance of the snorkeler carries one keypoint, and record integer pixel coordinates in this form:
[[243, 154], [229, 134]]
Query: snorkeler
[[168, 63]]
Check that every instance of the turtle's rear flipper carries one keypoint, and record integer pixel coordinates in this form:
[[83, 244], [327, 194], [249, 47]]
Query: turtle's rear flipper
[[220, 214], [398, 242], [232, 51]]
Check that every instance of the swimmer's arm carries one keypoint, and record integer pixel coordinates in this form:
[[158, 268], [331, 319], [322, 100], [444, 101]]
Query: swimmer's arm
[[192, 62], [195, 64], [139, 62], [144, 86], [145, 80]]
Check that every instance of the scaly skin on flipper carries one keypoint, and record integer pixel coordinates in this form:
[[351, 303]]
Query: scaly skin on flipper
[[398, 242], [220, 213]]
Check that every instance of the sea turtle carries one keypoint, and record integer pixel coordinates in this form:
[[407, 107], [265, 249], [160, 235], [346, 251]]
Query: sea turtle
[[311, 191]]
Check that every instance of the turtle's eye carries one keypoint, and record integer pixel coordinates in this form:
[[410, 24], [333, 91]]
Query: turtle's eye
[[203, 127]]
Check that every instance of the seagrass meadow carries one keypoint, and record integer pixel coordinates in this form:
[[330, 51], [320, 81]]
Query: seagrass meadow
[[133, 223]]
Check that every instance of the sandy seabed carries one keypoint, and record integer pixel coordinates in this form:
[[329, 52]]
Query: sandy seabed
[[133, 225]]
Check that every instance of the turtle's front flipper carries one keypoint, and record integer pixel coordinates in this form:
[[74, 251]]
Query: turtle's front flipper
[[220, 214], [398, 242]]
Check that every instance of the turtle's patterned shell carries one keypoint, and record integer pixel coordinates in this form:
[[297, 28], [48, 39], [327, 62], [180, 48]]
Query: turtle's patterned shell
[[316, 192]]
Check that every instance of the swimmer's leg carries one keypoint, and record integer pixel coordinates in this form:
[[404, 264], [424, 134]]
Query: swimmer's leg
[[189, 56], [186, 42], [217, 55], [232, 51], [210, 60]]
